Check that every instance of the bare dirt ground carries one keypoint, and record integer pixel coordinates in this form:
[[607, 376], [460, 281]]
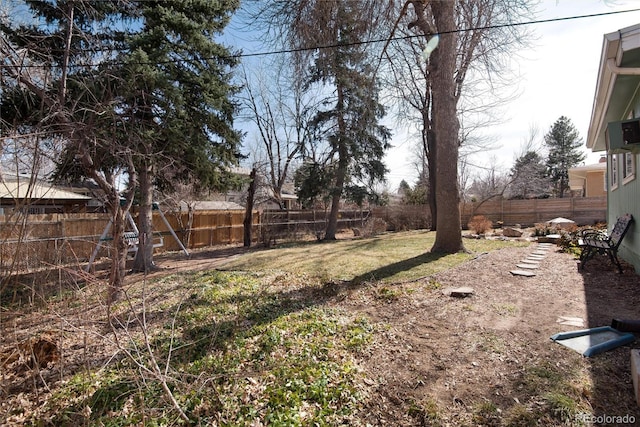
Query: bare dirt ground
[[436, 354], [459, 354]]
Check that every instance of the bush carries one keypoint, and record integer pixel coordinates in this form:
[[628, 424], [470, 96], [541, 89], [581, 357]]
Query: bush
[[479, 224], [543, 230], [569, 239]]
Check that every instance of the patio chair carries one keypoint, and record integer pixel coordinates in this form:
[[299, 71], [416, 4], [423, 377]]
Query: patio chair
[[598, 242]]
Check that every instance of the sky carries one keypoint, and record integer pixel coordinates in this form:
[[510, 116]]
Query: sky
[[558, 78], [558, 74]]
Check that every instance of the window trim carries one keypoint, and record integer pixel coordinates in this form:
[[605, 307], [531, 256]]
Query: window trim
[[628, 175], [613, 171]]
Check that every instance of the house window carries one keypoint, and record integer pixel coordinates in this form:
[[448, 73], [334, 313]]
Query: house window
[[613, 171], [628, 167]]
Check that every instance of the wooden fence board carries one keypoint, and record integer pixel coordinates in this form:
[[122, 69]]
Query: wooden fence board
[[63, 238], [529, 212]]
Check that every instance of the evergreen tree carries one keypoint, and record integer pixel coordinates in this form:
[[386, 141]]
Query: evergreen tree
[[176, 99], [528, 177], [312, 180], [348, 126], [136, 86], [564, 144]]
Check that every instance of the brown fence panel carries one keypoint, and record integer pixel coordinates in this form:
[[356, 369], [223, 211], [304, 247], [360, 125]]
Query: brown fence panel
[[583, 211], [44, 240], [297, 223], [406, 217]]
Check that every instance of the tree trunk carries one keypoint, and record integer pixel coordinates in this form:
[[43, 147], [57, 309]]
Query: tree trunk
[[341, 172], [143, 262], [432, 155], [332, 224], [248, 213], [446, 126], [119, 261]]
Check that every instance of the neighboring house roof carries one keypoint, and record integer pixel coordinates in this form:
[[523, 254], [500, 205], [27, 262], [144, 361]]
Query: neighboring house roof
[[578, 175], [23, 189], [618, 78], [213, 205]]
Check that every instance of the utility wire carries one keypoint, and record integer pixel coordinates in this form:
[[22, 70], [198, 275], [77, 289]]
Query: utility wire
[[358, 43], [461, 30]]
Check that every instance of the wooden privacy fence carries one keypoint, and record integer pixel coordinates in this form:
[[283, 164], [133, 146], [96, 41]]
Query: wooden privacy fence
[[582, 210], [293, 223], [39, 241]]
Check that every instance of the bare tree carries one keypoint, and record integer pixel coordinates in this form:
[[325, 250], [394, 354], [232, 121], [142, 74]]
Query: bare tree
[[282, 111], [447, 85]]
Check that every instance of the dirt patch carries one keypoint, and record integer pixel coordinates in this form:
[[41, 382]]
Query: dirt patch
[[455, 357], [486, 359]]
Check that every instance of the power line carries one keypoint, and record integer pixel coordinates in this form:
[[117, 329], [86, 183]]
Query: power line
[[461, 30], [358, 43]]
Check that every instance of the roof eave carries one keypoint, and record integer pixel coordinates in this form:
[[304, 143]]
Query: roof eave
[[604, 87], [613, 48]]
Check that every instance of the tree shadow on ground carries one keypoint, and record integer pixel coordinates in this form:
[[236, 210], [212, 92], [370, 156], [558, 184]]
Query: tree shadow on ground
[[269, 305], [392, 269]]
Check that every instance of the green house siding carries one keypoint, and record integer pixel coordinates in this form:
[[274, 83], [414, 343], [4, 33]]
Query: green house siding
[[626, 199], [616, 99]]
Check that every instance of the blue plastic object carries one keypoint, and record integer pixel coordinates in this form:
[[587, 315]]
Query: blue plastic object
[[593, 341]]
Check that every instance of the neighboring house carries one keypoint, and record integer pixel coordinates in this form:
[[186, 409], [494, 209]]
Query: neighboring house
[[615, 128], [264, 197], [39, 198], [589, 180]]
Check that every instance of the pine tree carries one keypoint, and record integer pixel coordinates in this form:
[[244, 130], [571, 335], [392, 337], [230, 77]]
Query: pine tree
[[528, 177], [564, 144], [351, 126], [136, 86], [176, 99], [351, 141]]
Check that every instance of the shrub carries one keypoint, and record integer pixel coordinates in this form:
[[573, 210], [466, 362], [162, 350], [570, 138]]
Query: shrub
[[479, 224], [372, 227], [543, 230], [569, 239]]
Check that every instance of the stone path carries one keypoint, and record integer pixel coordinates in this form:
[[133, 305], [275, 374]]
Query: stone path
[[527, 266]]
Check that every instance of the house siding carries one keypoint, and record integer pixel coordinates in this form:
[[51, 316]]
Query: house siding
[[625, 199], [594, 185]]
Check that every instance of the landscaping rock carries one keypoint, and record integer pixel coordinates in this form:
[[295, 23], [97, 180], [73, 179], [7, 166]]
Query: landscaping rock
[[522, 273], [461, 292], [511, 232], [549, 238]]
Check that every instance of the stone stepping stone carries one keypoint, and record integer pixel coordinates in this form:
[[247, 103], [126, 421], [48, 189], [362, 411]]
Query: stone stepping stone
[[522, 273], [528, 266], [536, 257], [461, 292], [540, 253], [531, 261], [571, 321]]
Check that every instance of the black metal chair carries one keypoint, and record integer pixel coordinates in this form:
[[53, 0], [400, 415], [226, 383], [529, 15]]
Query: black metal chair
[[598, 242]]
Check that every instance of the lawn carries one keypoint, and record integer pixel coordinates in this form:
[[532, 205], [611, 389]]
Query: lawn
[[352, 332], [388, 258]]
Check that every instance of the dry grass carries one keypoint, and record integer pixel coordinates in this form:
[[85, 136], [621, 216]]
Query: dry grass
[[388, 258], [281, 339]]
